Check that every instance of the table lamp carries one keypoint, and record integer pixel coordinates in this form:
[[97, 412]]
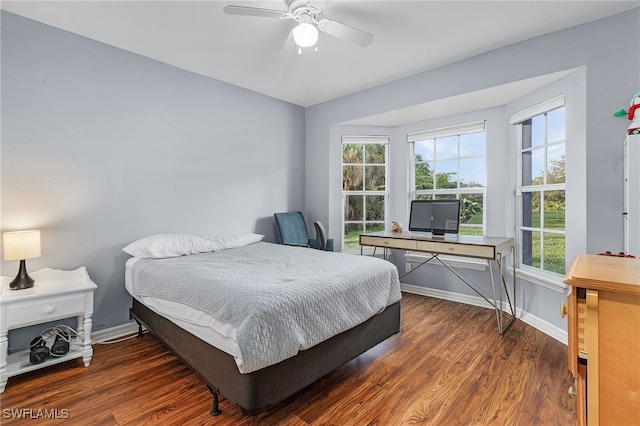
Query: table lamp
[[21, 245]]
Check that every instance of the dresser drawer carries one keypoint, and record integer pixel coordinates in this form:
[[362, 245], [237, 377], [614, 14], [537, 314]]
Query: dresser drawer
[[484, 252], [39, 311], [396, 243]]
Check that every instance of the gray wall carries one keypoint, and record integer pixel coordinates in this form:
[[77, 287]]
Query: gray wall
[[101, 147], [606, 57]]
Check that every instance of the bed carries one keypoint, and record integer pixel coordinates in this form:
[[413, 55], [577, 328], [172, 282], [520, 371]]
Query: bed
[[260, 321]]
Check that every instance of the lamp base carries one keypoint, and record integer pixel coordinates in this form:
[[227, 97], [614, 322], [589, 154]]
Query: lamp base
[[22, 280]]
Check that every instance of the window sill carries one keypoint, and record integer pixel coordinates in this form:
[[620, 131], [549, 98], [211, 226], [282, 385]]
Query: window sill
[[549, 281]]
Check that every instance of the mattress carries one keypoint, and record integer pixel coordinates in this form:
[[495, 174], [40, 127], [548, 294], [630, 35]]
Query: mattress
[[264, 302], [216, 332]]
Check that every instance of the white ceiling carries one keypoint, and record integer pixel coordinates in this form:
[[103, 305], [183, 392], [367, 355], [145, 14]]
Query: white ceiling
[[409, 37]]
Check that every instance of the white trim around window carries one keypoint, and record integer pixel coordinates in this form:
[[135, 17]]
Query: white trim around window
[[541, 108], [352, 139], [461, 129]]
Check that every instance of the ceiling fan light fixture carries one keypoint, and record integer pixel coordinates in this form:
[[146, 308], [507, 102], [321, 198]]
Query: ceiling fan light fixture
[[305, 34]]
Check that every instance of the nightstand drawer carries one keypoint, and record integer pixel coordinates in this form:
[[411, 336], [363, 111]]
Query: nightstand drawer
[[53, 308]]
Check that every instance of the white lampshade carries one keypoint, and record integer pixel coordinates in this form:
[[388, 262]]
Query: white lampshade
[[21, 245], [305, 34]]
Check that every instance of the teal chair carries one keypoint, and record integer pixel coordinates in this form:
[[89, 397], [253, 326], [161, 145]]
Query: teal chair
[[292, 231]]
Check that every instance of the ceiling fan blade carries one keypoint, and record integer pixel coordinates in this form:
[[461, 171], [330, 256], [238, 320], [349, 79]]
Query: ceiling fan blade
[[343, 31], [255, 11]]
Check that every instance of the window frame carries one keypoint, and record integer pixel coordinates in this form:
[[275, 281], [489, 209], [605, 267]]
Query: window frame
[[445, 132], [538, 273], [364, 140]]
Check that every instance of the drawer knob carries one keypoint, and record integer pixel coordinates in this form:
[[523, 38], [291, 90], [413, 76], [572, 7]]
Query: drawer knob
[[564, 309], [48, 310]]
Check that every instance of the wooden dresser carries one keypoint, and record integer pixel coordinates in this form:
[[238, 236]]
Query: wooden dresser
[[604, 338]]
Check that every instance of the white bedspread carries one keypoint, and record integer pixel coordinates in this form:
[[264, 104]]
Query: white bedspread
[[280, 299]]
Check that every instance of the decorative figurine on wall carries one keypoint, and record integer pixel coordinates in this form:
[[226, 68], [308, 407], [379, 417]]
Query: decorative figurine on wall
[[634, 115], [396, 227]]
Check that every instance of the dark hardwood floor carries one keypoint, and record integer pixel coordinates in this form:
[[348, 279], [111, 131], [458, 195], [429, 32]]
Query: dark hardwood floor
[[447, 366]]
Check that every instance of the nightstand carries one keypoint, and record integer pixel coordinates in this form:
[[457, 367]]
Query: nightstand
[[56, 295]]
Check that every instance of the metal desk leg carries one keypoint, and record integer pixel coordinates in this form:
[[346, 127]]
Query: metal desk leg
[[503, 286]]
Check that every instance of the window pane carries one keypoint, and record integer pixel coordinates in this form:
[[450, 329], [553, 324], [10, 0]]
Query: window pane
[[531, 209], [424, 197], [375, 207], [374, 227], [445, 197], [536, 248], [472, 144], [531, 248], [526, 134], [352, 233], [525, 240], [374, 180], [471, 207], [537, 166], [473, 172], [555, 164], [537, 130], [423, 176], [470, 230], [555, 125], [353, 209], [554, 247], [446, 174], [352, 178], [554, 208], [526, 168], [424, 150], [374, 153], [352, 153], [447, 147]]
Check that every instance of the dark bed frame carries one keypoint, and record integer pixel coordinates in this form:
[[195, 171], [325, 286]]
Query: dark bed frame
[[254, 391]]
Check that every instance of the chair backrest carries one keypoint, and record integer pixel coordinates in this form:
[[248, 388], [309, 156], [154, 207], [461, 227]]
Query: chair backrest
[[292, 229], [321, 236]]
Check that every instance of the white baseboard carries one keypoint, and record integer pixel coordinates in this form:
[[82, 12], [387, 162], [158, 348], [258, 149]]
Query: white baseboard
[[115, 332], [547, 328], [538, 323]]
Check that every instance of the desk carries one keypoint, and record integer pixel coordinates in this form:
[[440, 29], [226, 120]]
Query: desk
[[491, 249]]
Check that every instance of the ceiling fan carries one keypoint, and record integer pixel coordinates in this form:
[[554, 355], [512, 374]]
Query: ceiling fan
[[305, 34]]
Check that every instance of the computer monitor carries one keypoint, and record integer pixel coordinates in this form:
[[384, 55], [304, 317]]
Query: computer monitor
[[436, 216]]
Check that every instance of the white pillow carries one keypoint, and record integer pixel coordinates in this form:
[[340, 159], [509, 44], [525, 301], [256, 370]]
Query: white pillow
[[225, 242], [169, 245]]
